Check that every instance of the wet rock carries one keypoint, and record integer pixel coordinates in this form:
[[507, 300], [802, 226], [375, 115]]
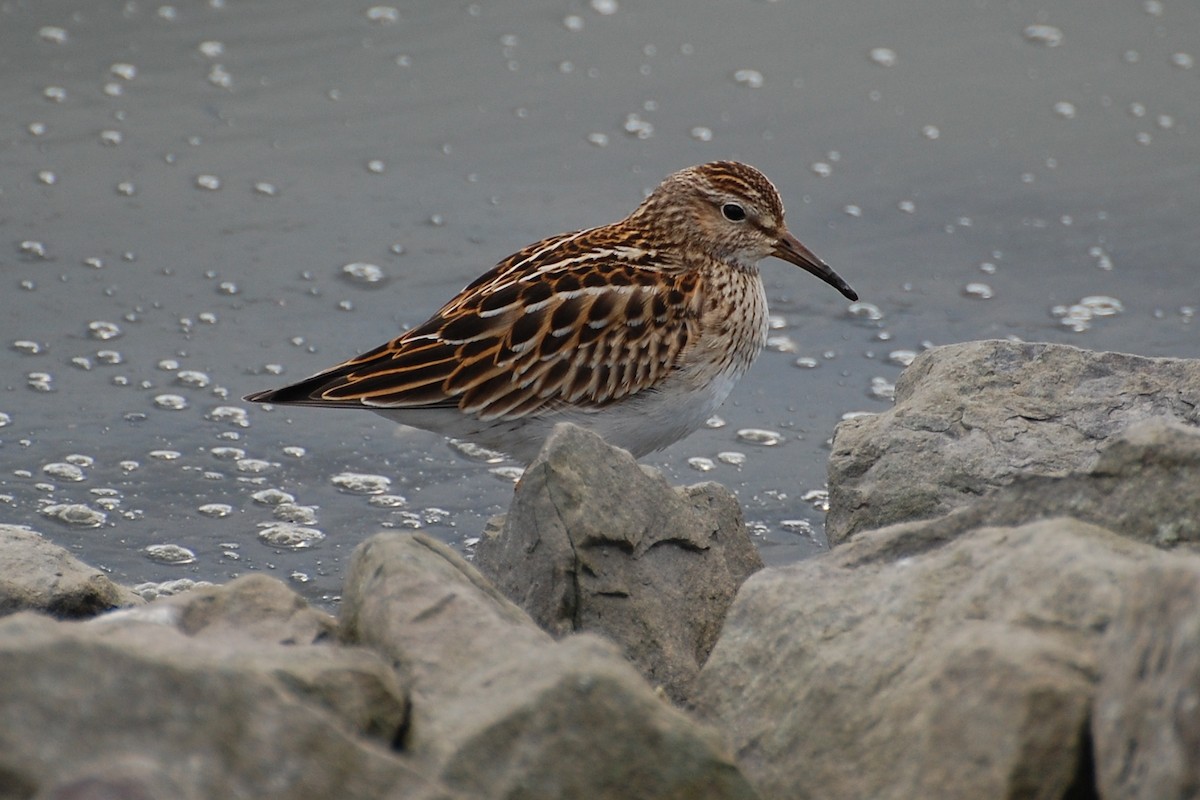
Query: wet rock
[[502, 710], [41, 576], [970, 418], [594, 542], [219, 716], [903, 664], [1146, 722]]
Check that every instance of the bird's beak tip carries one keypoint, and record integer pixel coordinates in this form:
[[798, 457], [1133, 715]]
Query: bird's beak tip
[[791, 250]]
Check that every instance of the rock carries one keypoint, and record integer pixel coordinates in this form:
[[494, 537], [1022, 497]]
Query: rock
[[155, 590], [217, 716], [501, 710], [40, 576], [905, 664], [970, 418], [257, 607], [128, 777], [256, 610], [593, 542], [1143, 487], [1146, 722], [427, 611]]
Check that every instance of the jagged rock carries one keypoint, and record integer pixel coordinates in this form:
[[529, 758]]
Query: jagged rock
[[1146, 722], [41, 576], [501, 710], [219, 716], [970, 418], [905, 664], [594, 542]]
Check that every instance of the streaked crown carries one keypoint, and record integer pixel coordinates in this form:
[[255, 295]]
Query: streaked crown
[[727, 209]]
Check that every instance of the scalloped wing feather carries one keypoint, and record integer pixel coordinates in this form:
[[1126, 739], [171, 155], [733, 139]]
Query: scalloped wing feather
[[566, 320]]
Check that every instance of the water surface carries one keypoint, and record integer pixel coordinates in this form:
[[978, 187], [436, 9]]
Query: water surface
[[183, 187]]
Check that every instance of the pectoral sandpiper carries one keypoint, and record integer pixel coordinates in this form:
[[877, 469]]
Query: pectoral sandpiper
[[637, 330]]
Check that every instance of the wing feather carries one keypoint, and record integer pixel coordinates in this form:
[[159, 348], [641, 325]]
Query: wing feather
[[567, 320]]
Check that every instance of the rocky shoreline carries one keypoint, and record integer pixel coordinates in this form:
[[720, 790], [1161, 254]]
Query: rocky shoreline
[[1010, 608]]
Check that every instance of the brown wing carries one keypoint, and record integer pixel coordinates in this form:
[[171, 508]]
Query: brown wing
[[564, 321]]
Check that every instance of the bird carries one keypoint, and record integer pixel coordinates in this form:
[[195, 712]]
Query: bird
[[637, 330]]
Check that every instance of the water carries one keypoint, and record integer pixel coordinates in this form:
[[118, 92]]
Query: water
[[206, 199]]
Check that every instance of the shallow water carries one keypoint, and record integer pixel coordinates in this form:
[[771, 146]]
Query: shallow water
[[183, 187]]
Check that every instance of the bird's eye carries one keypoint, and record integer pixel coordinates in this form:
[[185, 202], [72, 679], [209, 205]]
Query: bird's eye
[[733, 212]]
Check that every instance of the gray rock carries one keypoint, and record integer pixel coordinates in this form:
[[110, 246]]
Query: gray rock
[[157, 590], [903, 664], [501, 710], [594, 542], [40, 576], [1146, 722], [1144, 486], [256, 607], [970, 418], [126, 777], [247, 615], [218, 716]]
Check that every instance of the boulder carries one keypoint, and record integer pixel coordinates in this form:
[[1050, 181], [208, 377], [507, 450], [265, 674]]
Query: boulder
[[41, 576], [84, 707], [255, 607], [1146, 722], [906, 663], [500, 709], [970, 418], [1144, 486], [594, 542], [124, 777], [244, 617]]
